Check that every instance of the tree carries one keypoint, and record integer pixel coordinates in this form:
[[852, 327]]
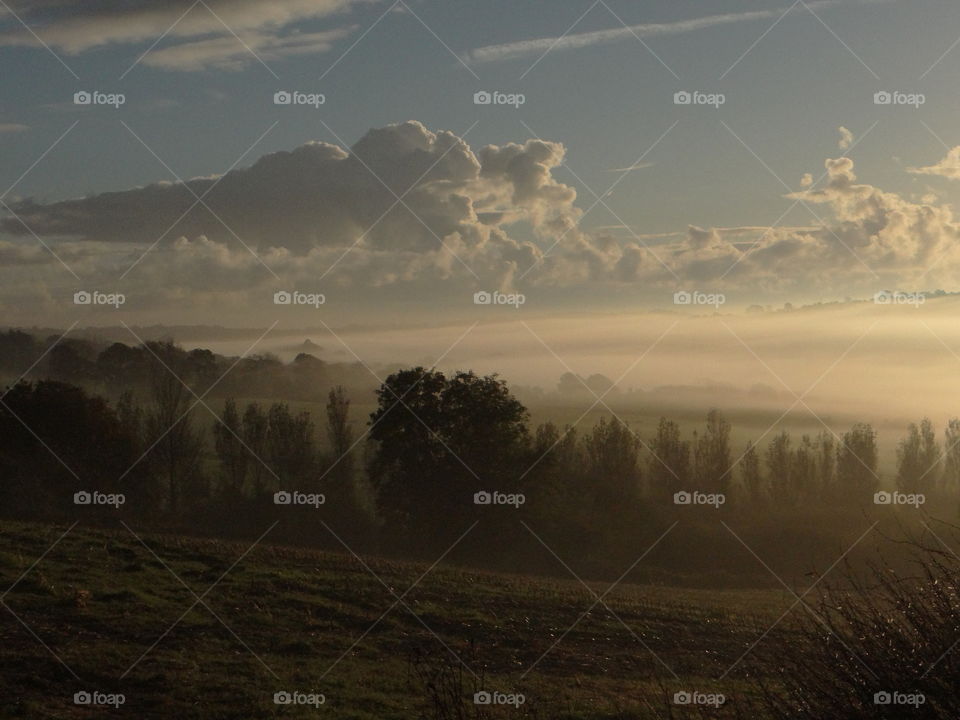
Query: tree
[[290, 447], [438, 441], [254, 434], [340, 437], [338, 426], [56, 440], [826, 465], [950, 480], [177, 445], [612, 454], [233, 456], [918, 459], [751, 475], [712, 455], [67, 362], [779, 464], [803, 472], [857, 464], [669, 463], [122, 366]]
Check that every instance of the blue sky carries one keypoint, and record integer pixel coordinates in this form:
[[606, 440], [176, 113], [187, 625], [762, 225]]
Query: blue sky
[[198, 101]]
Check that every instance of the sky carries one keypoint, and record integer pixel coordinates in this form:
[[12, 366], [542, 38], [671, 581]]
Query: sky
[[572, 157]]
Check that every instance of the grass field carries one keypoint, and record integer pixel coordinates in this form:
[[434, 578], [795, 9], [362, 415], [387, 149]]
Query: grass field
[[101, 612]]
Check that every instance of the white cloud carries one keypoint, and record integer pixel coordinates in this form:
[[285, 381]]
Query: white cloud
[[631, 168], [846, 138], [319, 201], [948, 167], [493, 217]]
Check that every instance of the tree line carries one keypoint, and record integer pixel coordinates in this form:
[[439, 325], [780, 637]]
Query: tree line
[[410, 482]]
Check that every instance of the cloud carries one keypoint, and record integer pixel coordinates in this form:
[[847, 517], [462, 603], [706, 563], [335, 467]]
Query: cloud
[[423, 215], [576, 41], [207, 28], [948, 167], [631, 168], [403, 197], [227, 53], [846, 138]]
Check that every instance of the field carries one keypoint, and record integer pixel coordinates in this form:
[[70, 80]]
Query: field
[[189, 628]]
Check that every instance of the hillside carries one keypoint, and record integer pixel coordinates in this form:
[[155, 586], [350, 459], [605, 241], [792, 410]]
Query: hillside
[[271, 619]]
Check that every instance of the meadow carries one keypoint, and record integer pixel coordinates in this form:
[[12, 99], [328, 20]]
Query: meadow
[[194, 628]]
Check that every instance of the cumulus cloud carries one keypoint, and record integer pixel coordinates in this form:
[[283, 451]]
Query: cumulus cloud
[[423, 213], [846, 138], [192, 33], [948, 167], [410, 201]]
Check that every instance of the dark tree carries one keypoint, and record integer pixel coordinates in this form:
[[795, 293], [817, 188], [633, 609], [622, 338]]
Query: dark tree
[[438, 441], [918, 459], [669, 463], [234, 457], [857, 464], [751, 475], [712, 455], [56, 440], [176, 444]]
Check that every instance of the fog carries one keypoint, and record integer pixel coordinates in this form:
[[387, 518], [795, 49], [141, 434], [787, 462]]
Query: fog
[[889, 364]]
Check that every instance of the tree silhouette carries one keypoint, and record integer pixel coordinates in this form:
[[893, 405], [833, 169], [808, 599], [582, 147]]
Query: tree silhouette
[[712, 460], [918, 459], [438, 441], [669, 462], [857, 464]]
